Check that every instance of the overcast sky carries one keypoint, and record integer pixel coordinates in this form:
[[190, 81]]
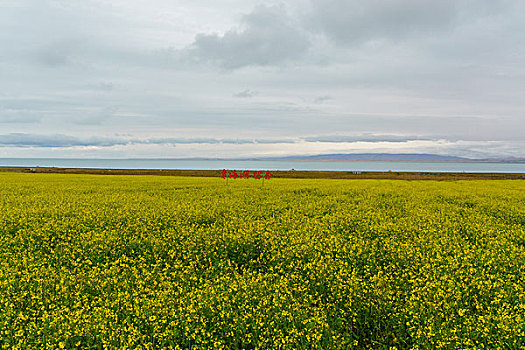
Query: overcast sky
[[228, 78]]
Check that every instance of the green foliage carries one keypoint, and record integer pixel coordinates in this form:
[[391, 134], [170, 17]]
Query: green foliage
[[115, 262]]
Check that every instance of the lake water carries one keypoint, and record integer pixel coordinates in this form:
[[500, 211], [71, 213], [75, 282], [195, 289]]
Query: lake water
[[265, 165]]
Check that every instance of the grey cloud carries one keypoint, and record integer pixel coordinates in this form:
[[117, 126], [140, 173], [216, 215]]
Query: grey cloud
[[213, 141], [33, 140], [268, 36], [442, 146], [366, 138], [400, 67], [352, 22], [57, 53], [261, 141], [62, 141], [31, 104], [322, 99], [105, 86], [237, 141], [170, 141], [17, 118], [245, 94], [193, 141]]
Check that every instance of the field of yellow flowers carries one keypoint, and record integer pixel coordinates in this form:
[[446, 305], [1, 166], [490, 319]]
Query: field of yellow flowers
[[146, 262]]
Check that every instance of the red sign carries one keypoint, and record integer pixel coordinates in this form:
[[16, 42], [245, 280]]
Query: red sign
[[245, 174]]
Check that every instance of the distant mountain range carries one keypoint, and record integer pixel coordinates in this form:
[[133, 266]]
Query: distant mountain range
[[384, 157], [400, 157]]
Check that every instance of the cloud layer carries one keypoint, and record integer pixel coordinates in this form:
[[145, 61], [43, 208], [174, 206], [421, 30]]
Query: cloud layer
[[266, 36], [253, 78], [67, 141], [356, 22]]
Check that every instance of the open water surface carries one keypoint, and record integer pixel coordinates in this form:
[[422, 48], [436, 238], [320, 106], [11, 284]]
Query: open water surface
[[265, 165]]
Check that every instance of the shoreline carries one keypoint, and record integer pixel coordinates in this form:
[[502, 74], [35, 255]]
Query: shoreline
[[290, 174]]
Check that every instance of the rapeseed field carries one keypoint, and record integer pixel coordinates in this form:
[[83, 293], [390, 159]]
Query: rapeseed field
[[145, 262]]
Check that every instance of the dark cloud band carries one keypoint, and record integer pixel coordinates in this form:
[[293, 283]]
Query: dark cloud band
[[63, 141]]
